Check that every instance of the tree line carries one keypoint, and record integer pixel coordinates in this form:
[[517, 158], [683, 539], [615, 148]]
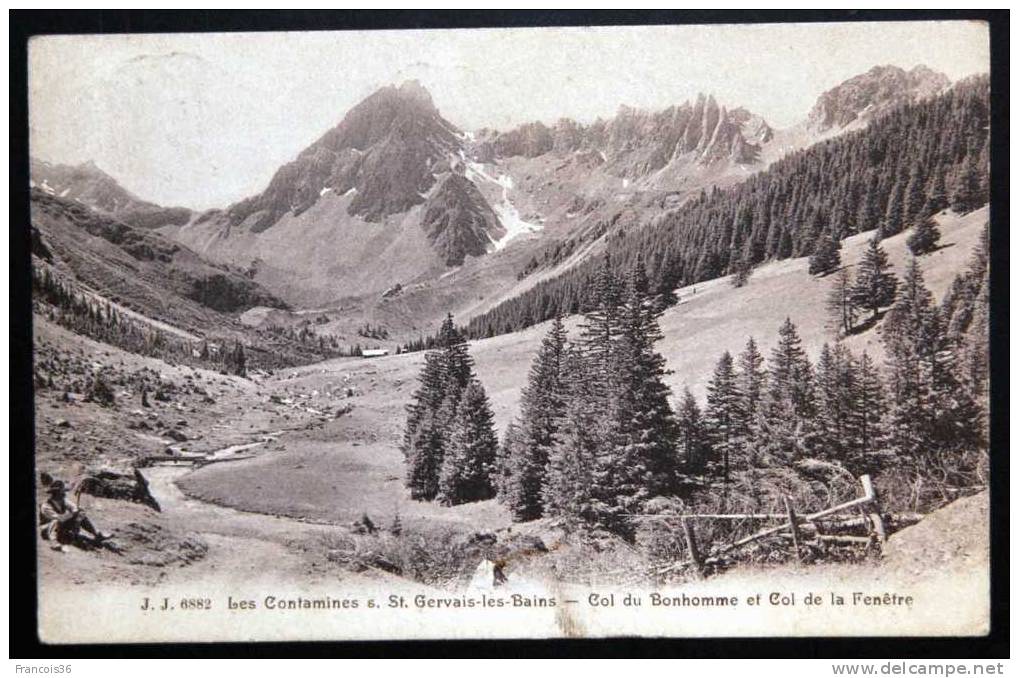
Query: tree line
[[919, 159]]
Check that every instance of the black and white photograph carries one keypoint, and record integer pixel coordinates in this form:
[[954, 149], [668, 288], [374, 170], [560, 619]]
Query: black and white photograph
[[659, 331]]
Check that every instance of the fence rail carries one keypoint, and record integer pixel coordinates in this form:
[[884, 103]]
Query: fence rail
[[800, 529]]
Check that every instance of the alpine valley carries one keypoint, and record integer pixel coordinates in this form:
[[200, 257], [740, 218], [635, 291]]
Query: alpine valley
[[469, 358]]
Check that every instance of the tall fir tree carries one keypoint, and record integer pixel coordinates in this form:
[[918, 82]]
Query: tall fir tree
[[913, 197], [425, 452], [869, 414], [750, 384], [826, 257], [724, 416], [542, 407], [427, 398], [937, 193], [966, 313], [924, 237], [787, 428], [933, 418], [457, 361], [875, 284], [892, 222], [569, 489], [468, 466], [600, 329], [693, 436], [839, 304], [789, 372], [835, 379], [447, 372], [966, 193], [645, 425]]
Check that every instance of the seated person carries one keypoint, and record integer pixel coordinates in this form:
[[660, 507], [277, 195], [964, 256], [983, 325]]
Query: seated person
[[62, 521]]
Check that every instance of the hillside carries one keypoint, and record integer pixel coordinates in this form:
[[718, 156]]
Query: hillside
[[139, 267], [709, 319], [135, 289], [88, 184], [829, 191]]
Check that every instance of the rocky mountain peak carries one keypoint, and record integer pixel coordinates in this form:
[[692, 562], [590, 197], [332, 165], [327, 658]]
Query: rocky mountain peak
[[414, 90], [383, 152], [458, 221], [872, 93]]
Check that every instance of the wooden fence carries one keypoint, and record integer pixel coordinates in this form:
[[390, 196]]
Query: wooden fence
[[801, 529]]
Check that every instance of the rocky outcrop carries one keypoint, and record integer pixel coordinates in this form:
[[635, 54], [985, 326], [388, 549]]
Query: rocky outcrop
[[635, 143], [383, 151], [458, 221], [872, 93]]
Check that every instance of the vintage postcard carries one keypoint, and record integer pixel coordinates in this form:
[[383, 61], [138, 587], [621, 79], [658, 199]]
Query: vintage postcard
[[660, 331]]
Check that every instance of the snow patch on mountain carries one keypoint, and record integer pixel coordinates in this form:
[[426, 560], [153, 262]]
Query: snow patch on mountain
[[509, 215]]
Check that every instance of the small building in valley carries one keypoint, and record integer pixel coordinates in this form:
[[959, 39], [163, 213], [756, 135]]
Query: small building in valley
[[374, 352]]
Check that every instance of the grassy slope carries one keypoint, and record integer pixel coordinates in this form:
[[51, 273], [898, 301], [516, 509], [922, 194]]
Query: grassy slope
[[352, 464]]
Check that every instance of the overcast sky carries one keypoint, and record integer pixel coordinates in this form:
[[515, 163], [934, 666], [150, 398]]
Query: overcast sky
[[205, 120]]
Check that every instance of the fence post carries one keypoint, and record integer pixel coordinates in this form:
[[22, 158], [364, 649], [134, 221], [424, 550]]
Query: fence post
[[794, 528], [691, 545], [874, 510]]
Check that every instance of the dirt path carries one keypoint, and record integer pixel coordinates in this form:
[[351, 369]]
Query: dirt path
[[242, 546]]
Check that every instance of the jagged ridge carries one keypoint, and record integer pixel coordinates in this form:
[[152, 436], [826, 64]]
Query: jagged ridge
[[636, 143]]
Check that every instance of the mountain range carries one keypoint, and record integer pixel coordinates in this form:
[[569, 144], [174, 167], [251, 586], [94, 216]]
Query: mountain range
[[396, 197]]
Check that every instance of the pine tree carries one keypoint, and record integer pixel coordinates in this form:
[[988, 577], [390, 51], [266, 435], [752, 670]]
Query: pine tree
[[723, 415], [892, 222], [569, 487], [966, 309], [913, 198], [741, 274], [457, 362], [875, 285], [924, 237], [693, 440], [600, 330], [542, 407], [933, 418], [789, 372], [750, 383], [468, 464], [868, 416], [644, 423], [426, 400], [966, 193], [840, 306], [937, 194], [826, 257], [835, 398], [446, 374], [425, 452]]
